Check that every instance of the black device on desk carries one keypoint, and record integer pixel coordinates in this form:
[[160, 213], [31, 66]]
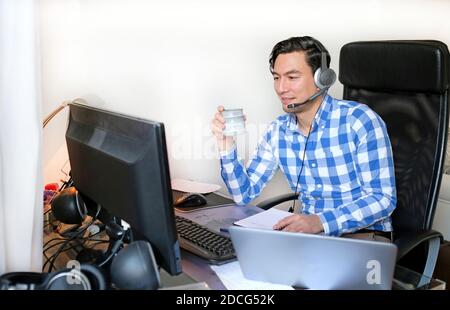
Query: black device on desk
[[120, 162], [196, 201], [189, 200], [200, 240], [196, 238]]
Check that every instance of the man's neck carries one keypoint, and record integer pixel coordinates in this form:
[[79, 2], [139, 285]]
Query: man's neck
[[306, 117]]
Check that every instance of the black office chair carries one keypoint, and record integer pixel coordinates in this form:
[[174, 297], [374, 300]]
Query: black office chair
[[407, 84]]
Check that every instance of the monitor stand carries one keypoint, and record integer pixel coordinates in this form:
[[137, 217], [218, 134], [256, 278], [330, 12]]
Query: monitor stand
[[180, 282]]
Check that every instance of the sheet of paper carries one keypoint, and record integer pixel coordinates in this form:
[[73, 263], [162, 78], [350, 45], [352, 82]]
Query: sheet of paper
[[219, 219], [263, 220], [231, 276], [189, 186]]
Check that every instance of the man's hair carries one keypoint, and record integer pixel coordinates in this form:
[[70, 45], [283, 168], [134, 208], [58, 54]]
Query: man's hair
[[306, 44]]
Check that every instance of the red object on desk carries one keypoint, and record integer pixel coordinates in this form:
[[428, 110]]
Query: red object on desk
[[52, 187]]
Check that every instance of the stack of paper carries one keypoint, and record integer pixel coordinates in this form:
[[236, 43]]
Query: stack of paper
[[263, 220], [231, 276], [189, 186]]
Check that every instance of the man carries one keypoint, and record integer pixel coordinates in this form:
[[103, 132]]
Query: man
[[336, 154]]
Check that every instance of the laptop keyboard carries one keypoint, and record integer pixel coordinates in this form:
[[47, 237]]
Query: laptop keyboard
[[204, 242]]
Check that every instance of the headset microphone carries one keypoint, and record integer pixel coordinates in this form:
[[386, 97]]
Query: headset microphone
[[294, 105]]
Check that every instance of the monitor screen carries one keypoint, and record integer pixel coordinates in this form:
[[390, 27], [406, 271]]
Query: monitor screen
[[120, 162]]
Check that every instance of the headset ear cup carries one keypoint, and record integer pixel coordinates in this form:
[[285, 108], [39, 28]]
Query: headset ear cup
[[68, 207], [317, 74], [327, 77], [86, 277], [324, 79], [67, 279], [135, 268], [95, 276], [23, 281]]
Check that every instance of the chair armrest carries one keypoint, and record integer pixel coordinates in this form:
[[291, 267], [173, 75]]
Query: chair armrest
[[408, 241], [269, 203]]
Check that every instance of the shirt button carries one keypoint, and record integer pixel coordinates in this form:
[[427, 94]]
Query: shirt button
[[319, 185], [313, 165], [323, 126]]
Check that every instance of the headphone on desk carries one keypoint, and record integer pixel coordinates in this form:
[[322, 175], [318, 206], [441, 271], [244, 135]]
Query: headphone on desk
[[135, 268], [69, 207], [85, 277], [131, 267]]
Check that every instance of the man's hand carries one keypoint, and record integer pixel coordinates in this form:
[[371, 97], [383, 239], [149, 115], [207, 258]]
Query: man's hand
[[300, 223], [217, 126]]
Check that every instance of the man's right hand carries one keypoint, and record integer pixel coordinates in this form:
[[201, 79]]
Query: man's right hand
[[225, 143]]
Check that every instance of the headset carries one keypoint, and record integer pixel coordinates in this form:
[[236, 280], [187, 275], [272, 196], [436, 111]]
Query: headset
[[135, 268], [69, 207], [324, 77], [131, 266], [81, 277]]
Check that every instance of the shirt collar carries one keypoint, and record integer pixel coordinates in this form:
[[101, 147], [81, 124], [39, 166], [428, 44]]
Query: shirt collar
[[320, 119]]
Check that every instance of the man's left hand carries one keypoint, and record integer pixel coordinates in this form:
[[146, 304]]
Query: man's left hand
[[300, 223]]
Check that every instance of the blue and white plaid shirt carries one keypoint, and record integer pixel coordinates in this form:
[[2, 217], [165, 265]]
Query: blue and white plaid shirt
[[348, 176]]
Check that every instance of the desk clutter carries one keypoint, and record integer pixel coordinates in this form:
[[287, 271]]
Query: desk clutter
[[75, 231], [80, 246], [92, 248]]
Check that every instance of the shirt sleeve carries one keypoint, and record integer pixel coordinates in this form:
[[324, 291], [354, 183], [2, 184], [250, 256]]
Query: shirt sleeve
[[375, 171], [246, 183]]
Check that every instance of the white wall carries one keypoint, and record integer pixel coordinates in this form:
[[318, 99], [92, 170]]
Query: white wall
[[174, 61]]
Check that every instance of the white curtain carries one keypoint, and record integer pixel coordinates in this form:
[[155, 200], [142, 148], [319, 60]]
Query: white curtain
[[20, 138]]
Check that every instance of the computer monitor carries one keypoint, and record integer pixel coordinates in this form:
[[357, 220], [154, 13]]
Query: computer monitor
[[120, 162]]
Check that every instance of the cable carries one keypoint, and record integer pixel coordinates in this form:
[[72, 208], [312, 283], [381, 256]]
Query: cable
[[53, 239], [291, 209], [114, 249], [72, 238], [84, 239], [70, 232], [66, 184], [54, 113], [46, 248], [82, 244], [54, 256]]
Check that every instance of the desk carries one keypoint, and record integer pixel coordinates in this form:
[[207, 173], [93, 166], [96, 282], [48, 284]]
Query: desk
[[213, 218], [195, 269], [199, 270]]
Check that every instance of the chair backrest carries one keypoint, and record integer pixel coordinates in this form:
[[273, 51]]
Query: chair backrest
[[407, 84]]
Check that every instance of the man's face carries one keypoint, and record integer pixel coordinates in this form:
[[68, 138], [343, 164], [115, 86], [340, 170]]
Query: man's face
[[293, 79]]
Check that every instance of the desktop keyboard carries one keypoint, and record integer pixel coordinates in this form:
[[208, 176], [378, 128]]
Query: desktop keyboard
[[204, 242]]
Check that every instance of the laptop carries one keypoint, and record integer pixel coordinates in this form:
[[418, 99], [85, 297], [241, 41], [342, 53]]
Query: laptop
[[313, 261]]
